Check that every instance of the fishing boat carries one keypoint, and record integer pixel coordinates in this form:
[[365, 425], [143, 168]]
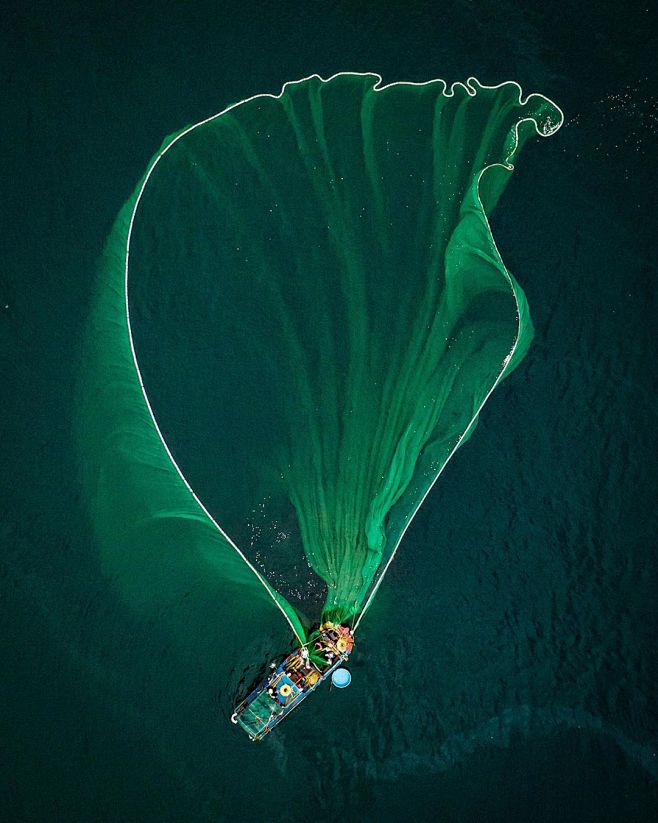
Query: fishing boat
[[294, 679]]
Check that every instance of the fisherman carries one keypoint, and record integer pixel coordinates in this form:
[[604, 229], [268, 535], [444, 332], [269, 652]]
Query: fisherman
[[305, 658]]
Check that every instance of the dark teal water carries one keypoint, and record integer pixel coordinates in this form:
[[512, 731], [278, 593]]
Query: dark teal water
[[507, 670]]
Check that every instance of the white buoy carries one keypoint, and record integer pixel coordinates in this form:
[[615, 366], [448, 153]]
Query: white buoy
[[341, 678]]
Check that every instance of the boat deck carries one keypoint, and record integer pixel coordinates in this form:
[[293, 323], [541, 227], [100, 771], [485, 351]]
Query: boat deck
[[293, 680]]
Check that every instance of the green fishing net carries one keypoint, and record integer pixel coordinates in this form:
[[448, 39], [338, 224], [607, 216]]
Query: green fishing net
[[307, 288]]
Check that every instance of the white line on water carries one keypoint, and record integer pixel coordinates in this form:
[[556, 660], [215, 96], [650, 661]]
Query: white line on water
[[376, 87]]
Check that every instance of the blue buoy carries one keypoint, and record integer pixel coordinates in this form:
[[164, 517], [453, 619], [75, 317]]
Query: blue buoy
[[341, 678]]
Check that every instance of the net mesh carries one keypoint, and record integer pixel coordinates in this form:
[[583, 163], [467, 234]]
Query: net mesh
[[319, 312]]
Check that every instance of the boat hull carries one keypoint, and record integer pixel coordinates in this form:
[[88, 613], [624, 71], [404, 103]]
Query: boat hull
[[293, 680]]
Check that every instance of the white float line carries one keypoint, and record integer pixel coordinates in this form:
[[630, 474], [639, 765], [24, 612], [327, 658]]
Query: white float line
[[376, 87]]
